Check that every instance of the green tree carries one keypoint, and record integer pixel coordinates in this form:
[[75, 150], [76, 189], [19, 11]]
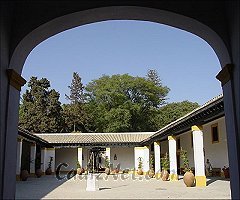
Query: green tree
[[40, 111], [172, 111], [76, 90], [74, 113], [152, 75], [123, 102]]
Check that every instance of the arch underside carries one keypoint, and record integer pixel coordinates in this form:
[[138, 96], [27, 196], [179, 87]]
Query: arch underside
[[76, 19]]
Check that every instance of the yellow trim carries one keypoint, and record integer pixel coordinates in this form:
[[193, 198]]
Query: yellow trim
[[158, 175], [197, 128], [171, 138], [50, 148], [139, 148], [157, 143], [32, 174], [201, 181], [18, 178], [173, 177]]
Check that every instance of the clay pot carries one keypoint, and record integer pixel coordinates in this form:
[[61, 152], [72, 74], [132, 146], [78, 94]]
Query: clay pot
[[107, 171], [164, 175], [48, 171], [189, 179], [151, 173], [79, 171], [140, 172], [38, 173], [226, 172], [24, 175]]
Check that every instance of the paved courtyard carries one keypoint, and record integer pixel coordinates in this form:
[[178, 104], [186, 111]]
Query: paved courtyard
[[48, 187]]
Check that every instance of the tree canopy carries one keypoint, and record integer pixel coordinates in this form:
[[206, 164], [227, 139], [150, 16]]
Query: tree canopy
[[74, 114], [40, 109], [172, 111], [123, 102], [117, 103]]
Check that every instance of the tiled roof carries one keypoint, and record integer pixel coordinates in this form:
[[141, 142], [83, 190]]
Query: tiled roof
[[189, 115], [91, 138], [123, 138]]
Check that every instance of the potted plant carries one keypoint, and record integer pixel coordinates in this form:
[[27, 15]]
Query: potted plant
[[38, 171], [49, 169], [188, 177], [165, 166], [79, 169], [140, 165], [226, 172], [24, 175], [107, 166], [151, 172]]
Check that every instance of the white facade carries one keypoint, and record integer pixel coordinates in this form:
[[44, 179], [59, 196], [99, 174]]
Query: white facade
[[217, 153], [68, 156], [142, 152], [124, 155]]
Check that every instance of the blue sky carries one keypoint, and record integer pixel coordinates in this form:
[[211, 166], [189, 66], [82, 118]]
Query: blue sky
[[184, 62]]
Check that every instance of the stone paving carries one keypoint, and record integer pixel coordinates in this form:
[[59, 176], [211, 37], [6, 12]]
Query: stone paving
[[48, 187]]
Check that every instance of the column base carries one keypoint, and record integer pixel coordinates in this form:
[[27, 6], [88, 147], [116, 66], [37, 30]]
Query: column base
[[201, 181], [18, 178], [158, 175], [173, 177]]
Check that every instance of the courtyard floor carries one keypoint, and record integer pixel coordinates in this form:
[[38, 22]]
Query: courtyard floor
[[115, 187]]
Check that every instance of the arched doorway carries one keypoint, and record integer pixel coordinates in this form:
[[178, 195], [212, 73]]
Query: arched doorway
[[65, 22]]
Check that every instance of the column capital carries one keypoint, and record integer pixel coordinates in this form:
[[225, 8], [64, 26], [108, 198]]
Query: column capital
[[171, 137], [19, 139], [15, 79], [225, 74], [157, 143], [197, 128], [33, 144]]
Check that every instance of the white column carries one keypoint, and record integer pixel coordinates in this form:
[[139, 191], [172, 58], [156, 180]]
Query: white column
[[43, 159], [32, 158], [144, 153], [173, 158], [80, 152], [108, 154], [50, 152], [198, 156], [157, 154], [19, 157]]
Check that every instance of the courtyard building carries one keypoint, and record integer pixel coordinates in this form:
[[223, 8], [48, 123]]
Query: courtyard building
[[202, 133]]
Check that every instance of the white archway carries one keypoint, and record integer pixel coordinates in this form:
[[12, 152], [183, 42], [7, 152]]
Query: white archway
[[116, 13], [26, 45]]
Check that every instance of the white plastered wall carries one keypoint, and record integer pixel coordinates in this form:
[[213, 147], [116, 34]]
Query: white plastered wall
[[125, 156], [164, 147], [50, 152], [186, 144], [144, 153], [217, 153], [67, 155], [85, 153]]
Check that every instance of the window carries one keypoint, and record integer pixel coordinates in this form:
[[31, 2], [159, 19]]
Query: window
[[178, 144], [215, 135]]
